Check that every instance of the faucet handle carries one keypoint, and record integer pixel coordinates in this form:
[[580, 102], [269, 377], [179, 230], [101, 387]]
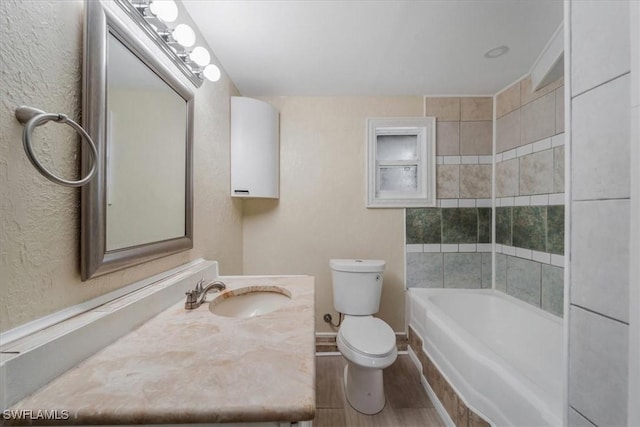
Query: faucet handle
[[192, 296], [199, 286], [192, 300]]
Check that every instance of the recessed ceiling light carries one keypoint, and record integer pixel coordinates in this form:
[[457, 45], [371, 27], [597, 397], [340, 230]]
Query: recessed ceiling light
[[496, 52]]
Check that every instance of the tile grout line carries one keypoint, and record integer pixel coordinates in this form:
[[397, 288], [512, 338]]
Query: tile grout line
[[582, 415], [599, 85], [601, 200], [599, 314]]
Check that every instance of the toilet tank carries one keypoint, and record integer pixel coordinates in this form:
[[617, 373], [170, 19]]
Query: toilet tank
[[357, 285]]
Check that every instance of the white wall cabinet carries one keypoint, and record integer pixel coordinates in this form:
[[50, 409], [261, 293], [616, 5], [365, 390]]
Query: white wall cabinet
[[255, 149]]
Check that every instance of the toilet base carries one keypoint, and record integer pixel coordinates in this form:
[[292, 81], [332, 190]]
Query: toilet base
[[364, 388]]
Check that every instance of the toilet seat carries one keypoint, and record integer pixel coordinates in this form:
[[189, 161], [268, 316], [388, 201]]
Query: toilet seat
[[368, 336]]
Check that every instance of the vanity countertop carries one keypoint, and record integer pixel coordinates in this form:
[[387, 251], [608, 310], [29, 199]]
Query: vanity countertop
[[191, 366]]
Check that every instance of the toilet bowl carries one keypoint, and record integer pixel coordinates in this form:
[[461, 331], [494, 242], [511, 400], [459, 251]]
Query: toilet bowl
[[369, 345]]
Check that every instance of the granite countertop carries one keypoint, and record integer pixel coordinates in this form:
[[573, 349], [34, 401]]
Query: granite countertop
[[191, 366]]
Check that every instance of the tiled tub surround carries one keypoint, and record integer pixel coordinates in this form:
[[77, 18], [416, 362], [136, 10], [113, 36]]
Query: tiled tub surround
[[464, 135], [530, 254], [601, 213], [524, 116], [534, 228], [529, 194], [448, 247], [525, 175], [191, 366], [463, 177], [485, 352], [533, 282]]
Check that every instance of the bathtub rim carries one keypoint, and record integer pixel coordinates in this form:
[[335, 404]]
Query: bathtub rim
[[450, 370], [500, 294]]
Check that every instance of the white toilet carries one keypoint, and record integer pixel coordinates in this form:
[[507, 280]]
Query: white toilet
[[368, 343]]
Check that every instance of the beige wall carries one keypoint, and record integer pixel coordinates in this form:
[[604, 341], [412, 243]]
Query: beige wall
[[321, 212], [41, 51]]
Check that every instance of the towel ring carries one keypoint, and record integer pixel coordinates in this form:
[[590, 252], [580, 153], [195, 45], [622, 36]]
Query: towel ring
[[32, 117]]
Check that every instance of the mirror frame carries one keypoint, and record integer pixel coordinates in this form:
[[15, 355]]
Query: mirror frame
[[95, 260]]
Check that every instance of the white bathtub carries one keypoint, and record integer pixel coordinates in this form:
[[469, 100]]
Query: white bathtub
[[502, 356]]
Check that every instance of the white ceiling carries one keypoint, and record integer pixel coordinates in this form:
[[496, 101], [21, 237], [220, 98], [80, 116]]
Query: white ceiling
[[352, 47]]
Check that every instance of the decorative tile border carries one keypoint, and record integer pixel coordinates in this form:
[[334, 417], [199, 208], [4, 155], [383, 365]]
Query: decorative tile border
[[448, 226], [464, 160], [536, 228], [437, 247], [541, 257], [533, 147], [463, 203], [535, 200], [452, 403]]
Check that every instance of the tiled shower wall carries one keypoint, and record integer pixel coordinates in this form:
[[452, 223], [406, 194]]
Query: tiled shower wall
[[600, 213], [530, 194], [450, 245]]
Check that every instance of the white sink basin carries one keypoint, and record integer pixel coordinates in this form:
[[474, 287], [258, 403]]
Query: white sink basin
[[249, 301]]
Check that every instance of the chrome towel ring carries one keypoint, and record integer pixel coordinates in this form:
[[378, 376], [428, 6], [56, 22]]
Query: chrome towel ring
[[32, 117]]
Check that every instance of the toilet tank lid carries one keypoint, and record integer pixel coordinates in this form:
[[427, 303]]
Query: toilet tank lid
[[358, 265]]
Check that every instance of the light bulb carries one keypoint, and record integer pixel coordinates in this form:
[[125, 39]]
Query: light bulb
[[165, 10], [211, 73], [184, 35], [200, 56]]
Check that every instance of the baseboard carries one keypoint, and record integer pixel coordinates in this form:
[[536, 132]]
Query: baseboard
[[326, 342]]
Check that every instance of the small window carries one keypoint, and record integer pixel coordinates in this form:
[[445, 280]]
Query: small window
[[401, 162]]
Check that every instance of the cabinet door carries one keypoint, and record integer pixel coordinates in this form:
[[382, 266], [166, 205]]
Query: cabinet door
[[255, 149]]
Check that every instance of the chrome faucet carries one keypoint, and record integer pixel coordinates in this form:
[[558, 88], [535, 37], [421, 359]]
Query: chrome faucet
[[197, 296]]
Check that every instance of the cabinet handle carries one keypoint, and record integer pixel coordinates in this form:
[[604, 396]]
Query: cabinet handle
[[241, 191]]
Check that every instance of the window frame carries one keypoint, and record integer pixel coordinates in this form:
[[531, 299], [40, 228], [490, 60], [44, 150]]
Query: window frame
[[424, 128]]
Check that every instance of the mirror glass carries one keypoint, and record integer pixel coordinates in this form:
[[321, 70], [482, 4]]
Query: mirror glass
[[140, 115], [146, 149]]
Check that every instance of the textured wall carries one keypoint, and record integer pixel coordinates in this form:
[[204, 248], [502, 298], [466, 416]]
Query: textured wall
[[41, 51], [321, 212]]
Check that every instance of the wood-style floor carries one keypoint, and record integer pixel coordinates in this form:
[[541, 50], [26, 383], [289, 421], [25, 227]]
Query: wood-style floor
[[407, 402]]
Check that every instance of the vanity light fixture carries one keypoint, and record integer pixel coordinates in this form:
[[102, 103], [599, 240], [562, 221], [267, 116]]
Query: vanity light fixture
[[211, 73], [200, 56], [166, 10], [184, 35], [154, 16]]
